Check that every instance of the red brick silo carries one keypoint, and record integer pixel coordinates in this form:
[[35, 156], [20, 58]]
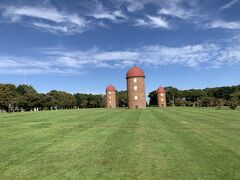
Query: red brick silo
[[110, 97], [136, 88], [161, 97]]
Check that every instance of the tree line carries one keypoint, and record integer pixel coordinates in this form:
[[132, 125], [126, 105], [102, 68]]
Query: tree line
[[26, 98], [208, 97]]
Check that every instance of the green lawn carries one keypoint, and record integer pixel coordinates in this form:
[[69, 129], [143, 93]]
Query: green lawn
[[171, 143]]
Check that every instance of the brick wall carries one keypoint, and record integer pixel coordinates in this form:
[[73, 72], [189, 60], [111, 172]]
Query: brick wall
[[136, 92], [161, 99], [110, 99]]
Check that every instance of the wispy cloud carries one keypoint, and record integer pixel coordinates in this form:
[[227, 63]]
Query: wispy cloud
[[174, 7], [95, 13], [114, 16], [101, 12], [46, 18], [153, 22], [158, 22], [50, 28], [117, 55], [135, 6], [191, 56], [229, 5], [21, 65], [63, 61], [224, 24], [176, 12], [169, 12]]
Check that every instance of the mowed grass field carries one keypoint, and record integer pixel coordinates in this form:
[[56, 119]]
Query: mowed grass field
[[170, 143]]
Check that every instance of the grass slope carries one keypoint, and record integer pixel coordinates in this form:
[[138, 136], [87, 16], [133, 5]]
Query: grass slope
[[171, 143]]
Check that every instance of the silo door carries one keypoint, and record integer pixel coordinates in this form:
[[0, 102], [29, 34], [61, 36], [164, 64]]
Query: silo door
[[136, 107]]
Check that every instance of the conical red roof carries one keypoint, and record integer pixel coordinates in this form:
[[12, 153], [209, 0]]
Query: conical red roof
[[135, 72], [160, 90], [110, 88]]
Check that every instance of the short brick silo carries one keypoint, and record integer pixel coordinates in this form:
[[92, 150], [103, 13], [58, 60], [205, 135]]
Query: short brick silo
[[161, 97], [110, 97], [136, 88]]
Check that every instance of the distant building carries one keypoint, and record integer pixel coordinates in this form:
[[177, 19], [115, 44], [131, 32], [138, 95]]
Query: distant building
[[161, 97], [136, 88], [110, 97]]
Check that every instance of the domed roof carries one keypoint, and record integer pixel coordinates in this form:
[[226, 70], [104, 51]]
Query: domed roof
[[160, 90], [135, 72], [110, 88]]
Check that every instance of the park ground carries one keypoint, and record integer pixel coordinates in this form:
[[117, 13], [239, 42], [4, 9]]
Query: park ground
[[169, 143]]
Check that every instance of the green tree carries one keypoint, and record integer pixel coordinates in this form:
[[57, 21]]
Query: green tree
[[234, 100], [95, 101], [122, 99], [220, 103], [81, 100], [63, 100], [28, 98], [172, 94], [152, 98], [180, 102], [8, 96], [28, 102], [207, 101], [47, 102], [26, 89]]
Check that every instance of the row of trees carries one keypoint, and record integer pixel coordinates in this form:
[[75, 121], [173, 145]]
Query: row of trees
[[26, 98], [209, 97]]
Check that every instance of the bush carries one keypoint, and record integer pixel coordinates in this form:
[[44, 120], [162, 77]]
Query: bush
[[233, 104]]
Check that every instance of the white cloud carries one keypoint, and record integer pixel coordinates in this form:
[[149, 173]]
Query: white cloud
[[101, 12], [113, 16], [21, 65], [135, 6], [141, 22], [119, 13], [51, 28], [94, 13], [158, 22], [153, 22], [176, 12], [46, 18], [191, 55], [224, 24], [104, 16], [55, 60], [117, 55], [229, 5]]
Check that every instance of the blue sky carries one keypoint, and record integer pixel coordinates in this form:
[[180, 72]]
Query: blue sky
[[82, 46]]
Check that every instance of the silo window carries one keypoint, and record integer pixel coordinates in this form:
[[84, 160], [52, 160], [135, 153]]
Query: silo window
[[135, 80], [161, 99], [110, 93], [110, 102], [110, 97], [161, 94], [135, 97], [135, 88]]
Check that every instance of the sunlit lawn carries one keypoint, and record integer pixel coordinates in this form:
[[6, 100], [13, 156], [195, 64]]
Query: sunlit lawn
[[170, 143]]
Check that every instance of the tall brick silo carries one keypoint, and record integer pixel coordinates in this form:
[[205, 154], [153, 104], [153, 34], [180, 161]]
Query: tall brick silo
[[136, 88], [161, 97], [110, 97]]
